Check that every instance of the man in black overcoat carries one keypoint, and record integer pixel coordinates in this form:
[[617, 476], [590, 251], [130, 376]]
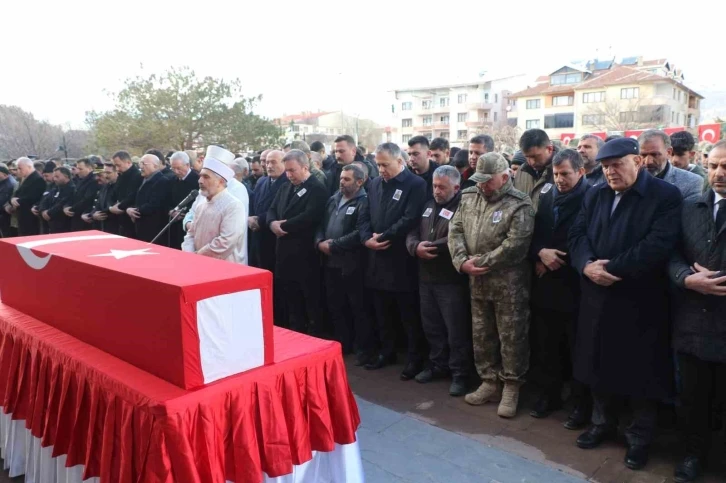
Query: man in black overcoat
[[621, 242], [150, 212]]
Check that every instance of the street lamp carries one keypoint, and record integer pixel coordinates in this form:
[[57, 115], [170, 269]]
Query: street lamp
[[64, 147]]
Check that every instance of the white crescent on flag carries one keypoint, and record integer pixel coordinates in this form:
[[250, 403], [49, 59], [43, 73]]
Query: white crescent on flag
[[566, 141], [39, 263], [709, 135]]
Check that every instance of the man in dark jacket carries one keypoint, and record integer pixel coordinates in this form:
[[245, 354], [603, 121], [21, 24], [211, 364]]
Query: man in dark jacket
[[418, 155], [184, 182], [129, 181], [698, 271], [61, 196], [7, 186], [339, 240], [28, 195], [588, 147], [621, 242], [346, 152], [395, 199], [443, 292], [150, 212], [535, 177], [263, 241], [294, 217], [556, 289], [102, 219], [84, 196]]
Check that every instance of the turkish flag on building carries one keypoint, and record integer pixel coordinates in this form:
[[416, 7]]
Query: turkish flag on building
[[601, 135], [671, 130], [635, 134], [709, 132], [566, 138]]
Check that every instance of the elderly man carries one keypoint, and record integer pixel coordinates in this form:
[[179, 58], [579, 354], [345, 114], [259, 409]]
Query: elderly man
[[241, 169], [395, 198], [443, 292], [339, 240], [184, 182], [7, 187], [535, 177], [219, 229], [698, 269], [656, 150], [84, 195], [263, 241], [419, 154], [317, 173], [293, 218], [620, 243], [488, 239], [27, 195], [588, 147], [129, 181], [556, 289], [151, 209]]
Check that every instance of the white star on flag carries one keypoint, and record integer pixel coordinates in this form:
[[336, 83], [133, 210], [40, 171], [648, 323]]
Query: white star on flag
[[119, 254]]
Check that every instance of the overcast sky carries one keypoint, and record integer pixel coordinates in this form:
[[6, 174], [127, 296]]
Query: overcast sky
[[60, 59]]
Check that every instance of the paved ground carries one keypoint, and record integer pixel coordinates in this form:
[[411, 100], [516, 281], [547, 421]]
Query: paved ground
[[476, 444]]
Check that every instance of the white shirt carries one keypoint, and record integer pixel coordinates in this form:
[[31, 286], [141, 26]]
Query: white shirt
[[716, 199], [235, 188], [219, 229], [618, 197]]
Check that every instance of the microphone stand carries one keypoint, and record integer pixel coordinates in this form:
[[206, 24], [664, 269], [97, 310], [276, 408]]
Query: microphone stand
[[178, 213]]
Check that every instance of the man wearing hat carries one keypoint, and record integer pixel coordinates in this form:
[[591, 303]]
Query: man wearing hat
[[219, 229], [517, 161], [48, 174], [620, 243], [489, 238]]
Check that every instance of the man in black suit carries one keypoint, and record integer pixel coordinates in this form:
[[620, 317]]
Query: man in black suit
[[263, 240], [102, 219], [620, 244], [28, 194], [293, 218], [185, 181], [129, 181], [83, 197], [60, 196], [150, 212]]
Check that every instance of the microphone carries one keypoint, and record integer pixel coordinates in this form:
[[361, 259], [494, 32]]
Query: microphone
[[190, 198]]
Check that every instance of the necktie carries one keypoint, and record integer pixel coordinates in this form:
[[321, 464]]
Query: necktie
[[721, 215], [615, 202]]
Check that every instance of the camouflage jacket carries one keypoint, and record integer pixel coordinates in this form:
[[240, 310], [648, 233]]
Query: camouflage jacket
[[498, 231]]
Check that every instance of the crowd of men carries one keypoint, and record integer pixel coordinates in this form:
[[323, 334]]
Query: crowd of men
[[601, 268]]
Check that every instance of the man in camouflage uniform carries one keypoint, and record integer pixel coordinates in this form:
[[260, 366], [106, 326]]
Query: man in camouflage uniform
[[489, 237]]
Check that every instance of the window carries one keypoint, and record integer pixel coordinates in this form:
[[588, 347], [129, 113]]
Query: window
[[593, 97], [407, 106], [444, 102], [461, 117], [485, 118], [496, 98], [512, 122], [628, 116], [629, 93], [405, 138], [460, 134], [532, 124], [295, 128], [593, 119], [406, 122], [486, 97], [428, 120], [561, 79], [461, 98], [678, 118], [444, 119], [533, 104], [679, 95], [563, 100], [557, 121], [444, 135], [427, 104], [674, 93], [495, 117]]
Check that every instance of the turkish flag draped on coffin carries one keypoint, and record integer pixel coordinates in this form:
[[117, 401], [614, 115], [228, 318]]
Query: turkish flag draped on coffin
[[185, 318]]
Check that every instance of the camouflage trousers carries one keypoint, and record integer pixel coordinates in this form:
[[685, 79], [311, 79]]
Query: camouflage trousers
[[500, 326]]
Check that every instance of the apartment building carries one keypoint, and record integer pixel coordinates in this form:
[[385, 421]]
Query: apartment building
[[326, 126], [454, 111], [607, 96]]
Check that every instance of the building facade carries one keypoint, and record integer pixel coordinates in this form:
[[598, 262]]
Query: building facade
[[326, 126], [455, 112], [607, 97]]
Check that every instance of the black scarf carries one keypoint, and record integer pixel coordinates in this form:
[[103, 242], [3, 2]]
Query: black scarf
[[568, 204]]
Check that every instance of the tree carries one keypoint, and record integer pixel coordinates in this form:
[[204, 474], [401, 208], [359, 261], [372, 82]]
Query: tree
[[503, 134], [615, 115], [23, 135], [178, 110]]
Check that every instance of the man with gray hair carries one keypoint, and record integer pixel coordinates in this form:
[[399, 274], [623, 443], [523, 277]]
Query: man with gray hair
[[185, 181], [28, 194], [656, 150], [395, 198], [150, 212], [303, 146], [443, 292], [588, 147], [293, 218]]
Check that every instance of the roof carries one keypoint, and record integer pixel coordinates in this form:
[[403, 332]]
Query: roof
[[577, 67], [304, 116], [545, 89], [473, 83], [655, 62]]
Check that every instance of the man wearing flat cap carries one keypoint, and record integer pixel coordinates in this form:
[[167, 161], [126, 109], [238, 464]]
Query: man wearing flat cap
[[219, 228], [489, 238], [620, 243]]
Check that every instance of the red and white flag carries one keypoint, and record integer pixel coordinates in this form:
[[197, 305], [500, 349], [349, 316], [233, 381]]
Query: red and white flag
[[635, 134], [601, 135], [566, 138], [709, 132], [671, 130]]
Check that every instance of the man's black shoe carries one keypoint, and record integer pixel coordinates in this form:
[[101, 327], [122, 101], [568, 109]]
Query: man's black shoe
[[578, 418], [380, 362], [459, 387], [545, 405], [431, 374], [363, 359], [593, 437], [636, 457], [410, 371], [688, 470]]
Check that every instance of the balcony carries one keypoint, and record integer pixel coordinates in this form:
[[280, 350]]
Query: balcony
[[442, 127], [480, 106], [479, 123]]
